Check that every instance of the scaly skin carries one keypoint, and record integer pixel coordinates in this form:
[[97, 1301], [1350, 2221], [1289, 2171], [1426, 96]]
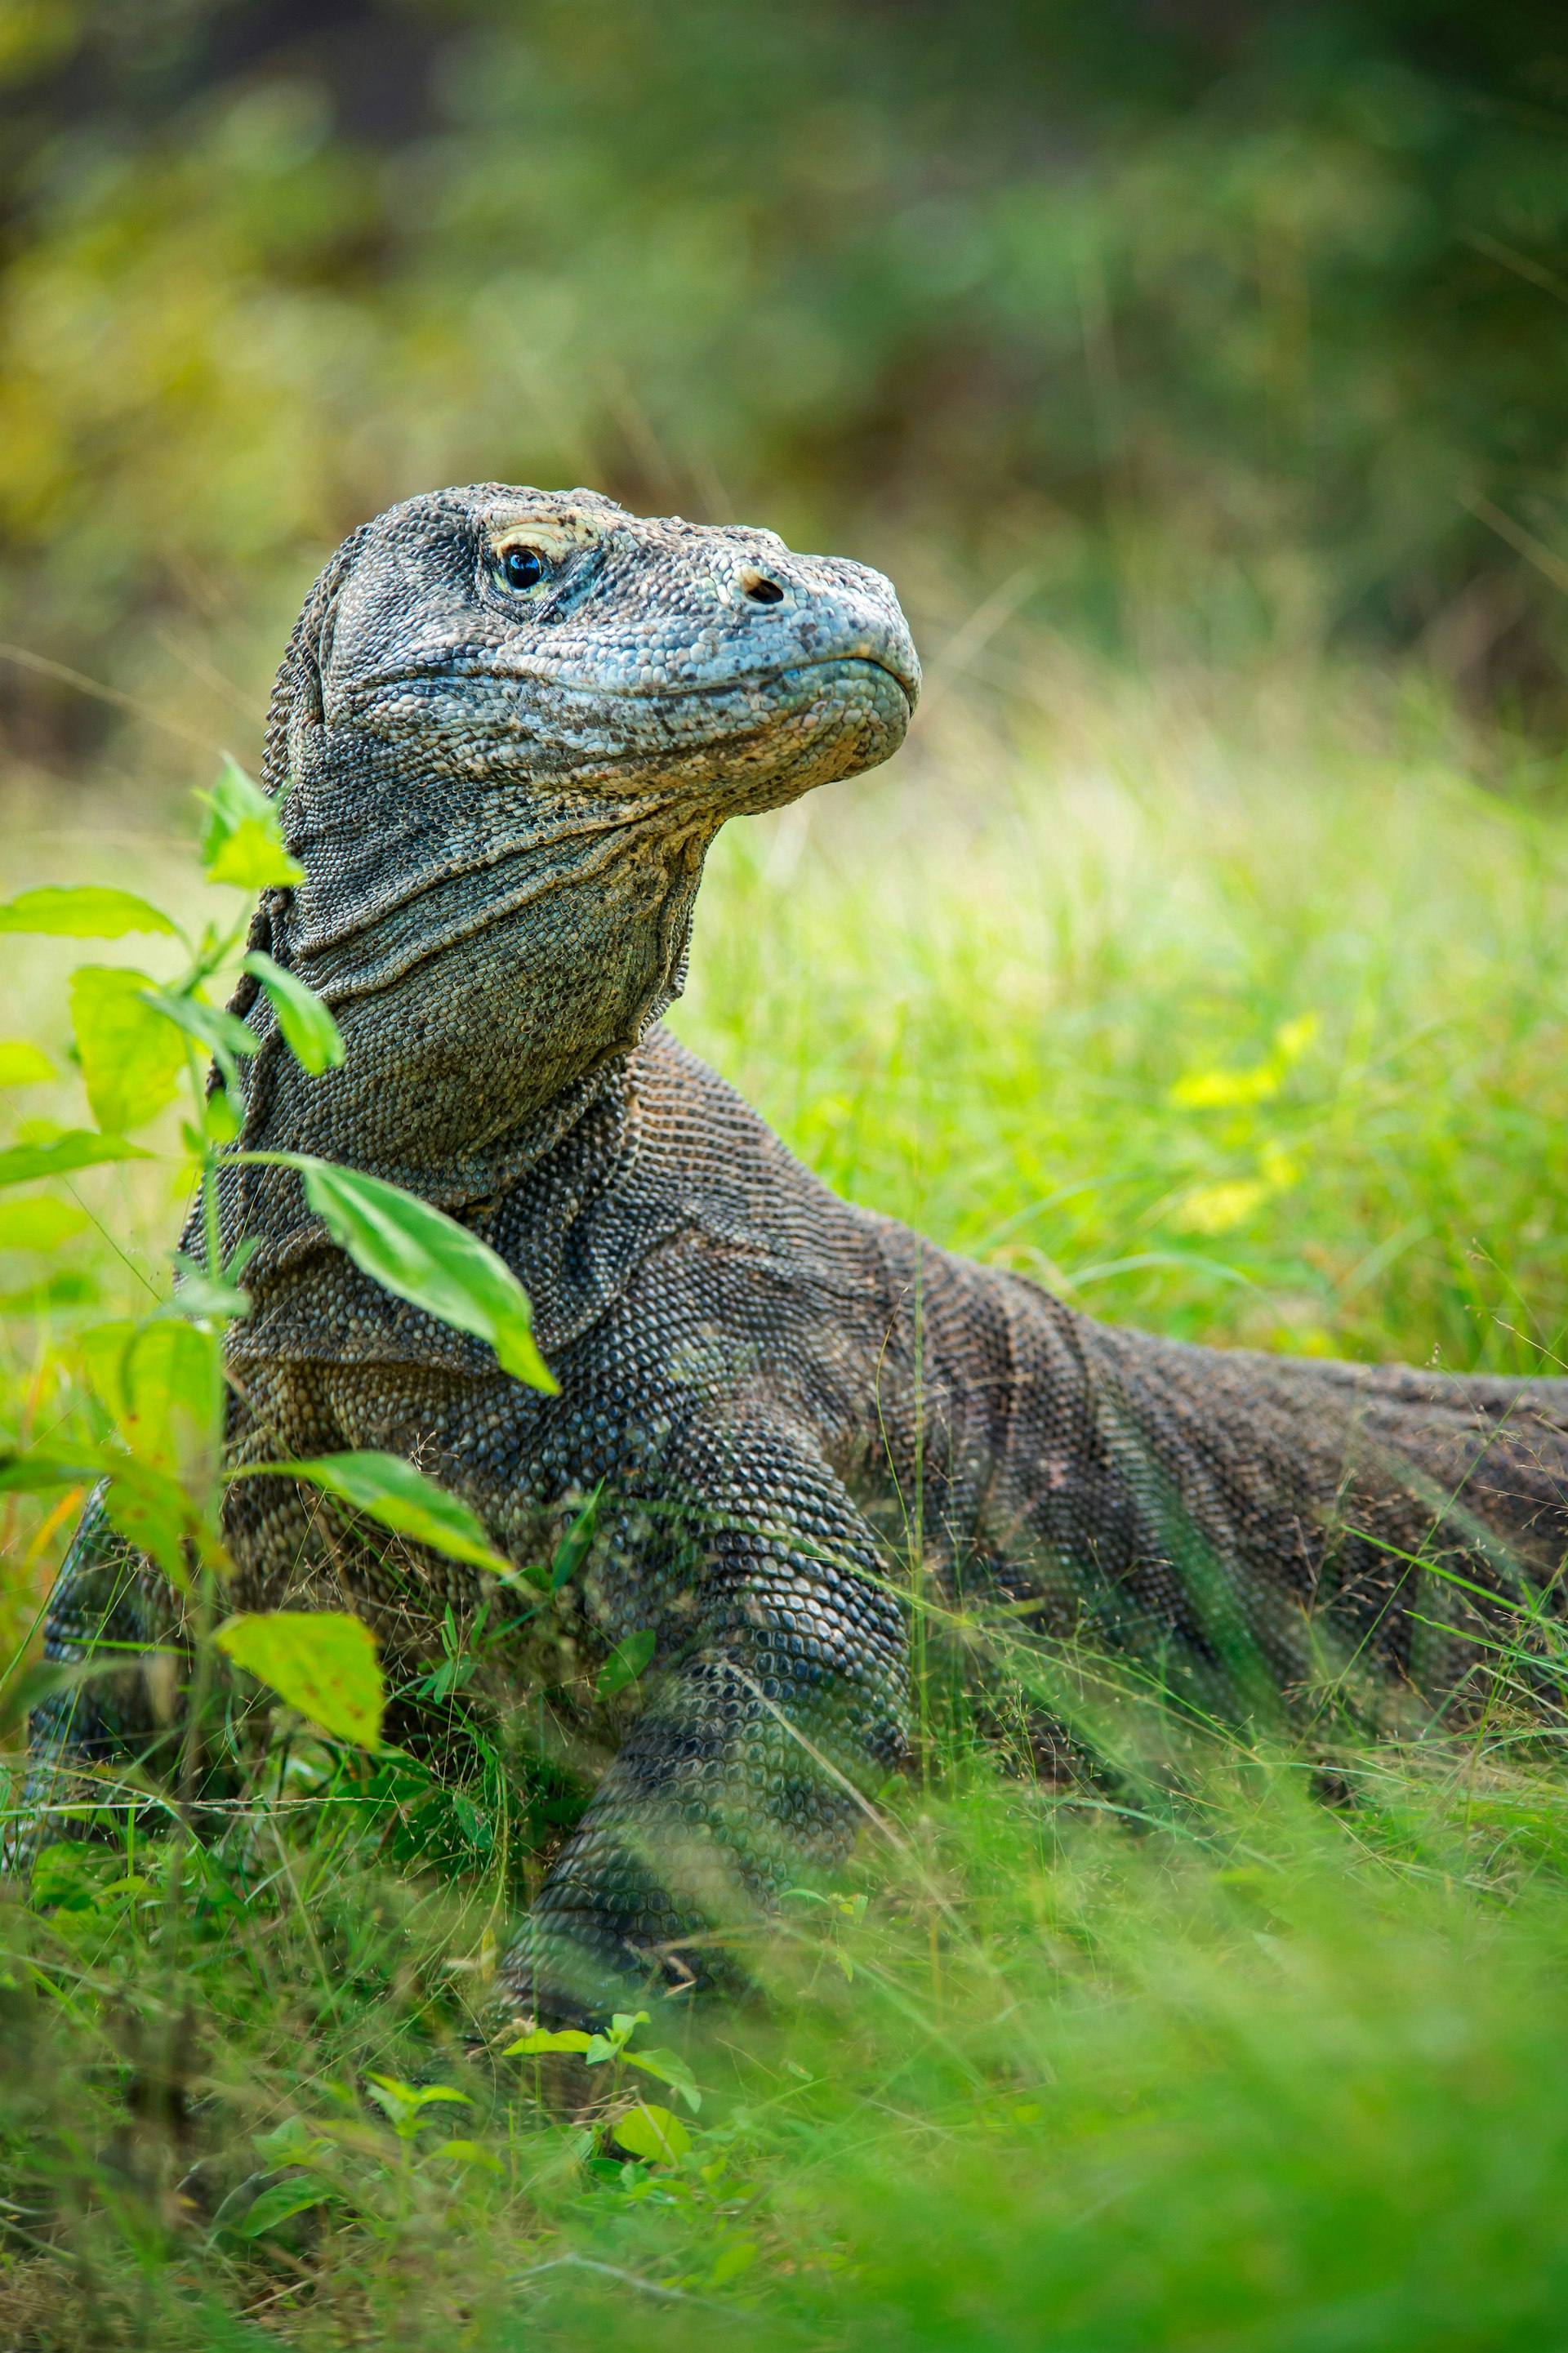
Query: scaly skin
[[502, 796]]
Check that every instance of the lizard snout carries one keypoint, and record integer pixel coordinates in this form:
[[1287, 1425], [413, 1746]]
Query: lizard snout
[[809, 610]]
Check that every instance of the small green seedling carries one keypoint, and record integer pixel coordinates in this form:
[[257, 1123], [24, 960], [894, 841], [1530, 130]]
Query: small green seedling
[[595, 2049]]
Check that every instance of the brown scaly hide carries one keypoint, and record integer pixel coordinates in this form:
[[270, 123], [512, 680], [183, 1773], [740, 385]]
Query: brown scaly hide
[[502, 801]]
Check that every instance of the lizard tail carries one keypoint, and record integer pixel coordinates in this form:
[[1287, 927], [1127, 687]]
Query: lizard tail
[[1381, 1525]]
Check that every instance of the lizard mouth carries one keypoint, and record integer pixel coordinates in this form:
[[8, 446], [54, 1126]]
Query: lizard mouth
[[907, 682], [558, 724], [814, 720], [379, 694]]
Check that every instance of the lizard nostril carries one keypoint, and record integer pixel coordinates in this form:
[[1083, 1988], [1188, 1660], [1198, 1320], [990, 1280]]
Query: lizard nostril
[[759, 588]]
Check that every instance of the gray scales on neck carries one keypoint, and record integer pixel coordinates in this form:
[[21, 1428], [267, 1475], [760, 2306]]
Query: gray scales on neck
[[511, 724]]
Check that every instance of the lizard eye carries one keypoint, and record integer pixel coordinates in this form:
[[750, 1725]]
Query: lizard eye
[[522, 567]]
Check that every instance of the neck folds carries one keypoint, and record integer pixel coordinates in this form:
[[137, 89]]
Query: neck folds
[[467, 1059], [488, 945]]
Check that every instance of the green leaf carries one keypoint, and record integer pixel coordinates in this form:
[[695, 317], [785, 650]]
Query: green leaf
[[672, 2069], [653, 2133], [566, 2038], [470, 2152], [279, 2204], [78, 1148], [22, 1064], [223, 1116], [626, 1663], [152, 1512], [31, 1475], [40, 1223], [475, 1824], [420, 1254], [390, 1491], [309, 1031], [163, 1382], [150, 1509], [418, 2096], [732, 2260], [322, 1661], [206, 1302], [242, 840], [404, 2103], [222, 1034], [86, 912], [573, 1545], [253, 858], [132, 1061], [205, 1297]]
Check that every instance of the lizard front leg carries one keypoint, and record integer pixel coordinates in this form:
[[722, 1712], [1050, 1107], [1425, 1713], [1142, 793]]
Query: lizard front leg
[[779, 1696]]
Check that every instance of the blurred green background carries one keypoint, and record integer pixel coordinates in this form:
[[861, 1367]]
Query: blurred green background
[[1197, 368], [1191, 327]]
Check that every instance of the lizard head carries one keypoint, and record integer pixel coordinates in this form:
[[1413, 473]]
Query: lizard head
[[553, 636], [507, 726]]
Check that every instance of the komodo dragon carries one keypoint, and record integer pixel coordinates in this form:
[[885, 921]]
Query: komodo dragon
[[511, 724]]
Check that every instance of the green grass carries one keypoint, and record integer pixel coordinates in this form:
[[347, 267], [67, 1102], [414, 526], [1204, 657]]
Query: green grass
[[1236, 1008], [967, 988]]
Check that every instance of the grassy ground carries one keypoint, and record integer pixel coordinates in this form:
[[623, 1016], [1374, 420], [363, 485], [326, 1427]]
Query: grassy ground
[[1236, 1007]]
